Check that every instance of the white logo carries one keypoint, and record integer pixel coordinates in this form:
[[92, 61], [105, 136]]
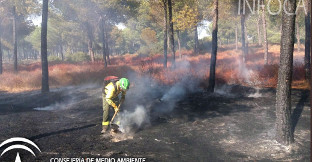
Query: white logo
[[18, 146]]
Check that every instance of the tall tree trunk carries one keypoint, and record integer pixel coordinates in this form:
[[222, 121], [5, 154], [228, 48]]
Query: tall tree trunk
[[90, 41], [108, 54], [0, 50], [171, 32], [9, 56], [259, 30], [35, 55], [44, 50], [24, 52], [61, 50], [243, 36], [236, 37], [168, 40], [298, 36], [284, 134], [266, 44], [107, 47], [307, 55], [90, 48], [214, 48], [14, 39], [179, 44], [102, 27], [310, 8], [246, 39], [196, 45], [165, 33]]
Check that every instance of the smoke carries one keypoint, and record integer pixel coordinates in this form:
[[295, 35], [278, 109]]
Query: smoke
[[68, 97], [56, 106], [244, 71], [155, 98], [176, 93], [257, 94], [146, 98], [225, 90], [136, 119]]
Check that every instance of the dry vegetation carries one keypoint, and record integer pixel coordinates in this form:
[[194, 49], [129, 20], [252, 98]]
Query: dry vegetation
[[229, 70]]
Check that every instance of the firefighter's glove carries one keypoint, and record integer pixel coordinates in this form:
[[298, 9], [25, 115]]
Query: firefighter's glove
[[116, 109]]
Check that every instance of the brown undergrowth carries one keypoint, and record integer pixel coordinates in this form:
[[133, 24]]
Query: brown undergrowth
[[229, 70]]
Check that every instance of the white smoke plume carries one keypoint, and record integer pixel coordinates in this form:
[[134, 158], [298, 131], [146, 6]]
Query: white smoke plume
[[257, 94], [244, 71], [135, 119], [154, 98]]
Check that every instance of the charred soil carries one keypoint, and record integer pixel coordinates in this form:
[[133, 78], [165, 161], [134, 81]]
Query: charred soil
[[234, 124]]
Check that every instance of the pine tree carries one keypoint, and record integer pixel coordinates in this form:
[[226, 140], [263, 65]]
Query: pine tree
[[171, 33], [214, 48], [284, 133], [44, 56]]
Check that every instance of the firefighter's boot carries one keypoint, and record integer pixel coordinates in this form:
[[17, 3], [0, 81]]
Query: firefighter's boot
[[104, 129]]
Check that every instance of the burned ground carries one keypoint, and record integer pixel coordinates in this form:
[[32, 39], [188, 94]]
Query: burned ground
[[234, 124]]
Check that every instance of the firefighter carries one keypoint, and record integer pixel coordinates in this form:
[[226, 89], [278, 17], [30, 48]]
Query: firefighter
[[110, 98]]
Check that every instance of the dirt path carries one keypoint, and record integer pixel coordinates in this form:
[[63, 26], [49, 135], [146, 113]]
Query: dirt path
[[235, 124]]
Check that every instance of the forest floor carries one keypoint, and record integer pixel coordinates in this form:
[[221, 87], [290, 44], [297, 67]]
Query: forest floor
[[167, 115], [234, 124]]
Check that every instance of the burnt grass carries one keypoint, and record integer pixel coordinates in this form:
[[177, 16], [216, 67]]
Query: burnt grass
[[235, 124]]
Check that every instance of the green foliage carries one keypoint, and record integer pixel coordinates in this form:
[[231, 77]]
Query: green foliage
[[150, 50], [187, 18], [274, 37], [34, 38], [77, 57], [72, 23], [205, 44], [148, 36], [53, 58]]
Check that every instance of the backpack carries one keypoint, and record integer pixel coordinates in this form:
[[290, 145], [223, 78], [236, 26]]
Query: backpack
[[108, 80]]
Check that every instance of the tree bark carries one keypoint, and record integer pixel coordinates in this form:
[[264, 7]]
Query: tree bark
[[246, 39], [310, 8], [168, 41], [214, 48], [165, 33], [90, 41], [236, 37], [266, 44], [14, 40], [9, 56], [259, 30], [243, 36], [35, 55], [107, 47], [24, 52], [307, 55], [102, 27], [284, 134], [61, 50], [90, 48], [44, 51], [0, 50], [171, 32], [298, 36], [179, 44], [196, 45]]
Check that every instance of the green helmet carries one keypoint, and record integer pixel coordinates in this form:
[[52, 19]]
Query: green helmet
[[124, 83]]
